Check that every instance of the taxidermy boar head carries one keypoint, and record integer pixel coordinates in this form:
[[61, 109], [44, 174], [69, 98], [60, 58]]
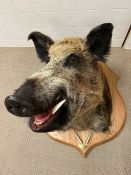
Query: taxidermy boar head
[[69, 91]]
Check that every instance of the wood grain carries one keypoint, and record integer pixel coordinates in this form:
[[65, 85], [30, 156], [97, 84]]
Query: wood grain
[[118, 117]]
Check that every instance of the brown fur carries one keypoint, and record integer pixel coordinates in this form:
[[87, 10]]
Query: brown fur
[[72, 73], [85, 87]]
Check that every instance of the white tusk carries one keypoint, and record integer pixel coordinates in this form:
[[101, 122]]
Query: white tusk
[[38, 123], [56, 107]]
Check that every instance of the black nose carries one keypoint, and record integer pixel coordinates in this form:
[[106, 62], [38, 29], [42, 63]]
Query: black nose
[[18, 107]]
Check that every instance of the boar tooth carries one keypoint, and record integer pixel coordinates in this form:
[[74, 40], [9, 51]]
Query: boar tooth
[[37, 123], [56, 107]]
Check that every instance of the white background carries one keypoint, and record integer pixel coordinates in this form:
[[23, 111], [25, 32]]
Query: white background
[[60, 18]]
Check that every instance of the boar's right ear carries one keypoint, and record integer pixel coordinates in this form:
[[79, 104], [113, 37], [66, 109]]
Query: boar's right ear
[[42, 44], [99, 39]]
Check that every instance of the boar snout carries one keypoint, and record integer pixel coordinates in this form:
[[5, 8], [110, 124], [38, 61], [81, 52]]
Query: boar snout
[[18, 107]]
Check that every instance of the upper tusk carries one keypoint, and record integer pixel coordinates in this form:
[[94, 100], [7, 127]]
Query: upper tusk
[[56, 107]]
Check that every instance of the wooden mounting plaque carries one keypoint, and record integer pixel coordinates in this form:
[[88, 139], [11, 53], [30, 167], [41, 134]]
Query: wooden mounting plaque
[[90, 139]]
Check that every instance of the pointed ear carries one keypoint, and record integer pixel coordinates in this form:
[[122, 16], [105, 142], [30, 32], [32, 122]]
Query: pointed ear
[[99, 40], [42, 44]]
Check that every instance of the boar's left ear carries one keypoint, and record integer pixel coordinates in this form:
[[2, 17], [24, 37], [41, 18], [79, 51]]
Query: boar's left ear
[[99, 39], [42, 44]]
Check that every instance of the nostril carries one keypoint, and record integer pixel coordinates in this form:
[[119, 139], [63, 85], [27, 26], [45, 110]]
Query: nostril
[[11, 104], [10, 107], [11, 101]]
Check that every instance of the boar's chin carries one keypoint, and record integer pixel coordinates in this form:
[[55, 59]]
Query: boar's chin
[[56, 117]]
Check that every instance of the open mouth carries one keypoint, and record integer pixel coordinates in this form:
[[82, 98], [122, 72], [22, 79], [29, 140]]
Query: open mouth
[[43, 120]]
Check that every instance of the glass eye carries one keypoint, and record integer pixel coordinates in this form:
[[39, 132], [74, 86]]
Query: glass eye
[[72, 61]]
